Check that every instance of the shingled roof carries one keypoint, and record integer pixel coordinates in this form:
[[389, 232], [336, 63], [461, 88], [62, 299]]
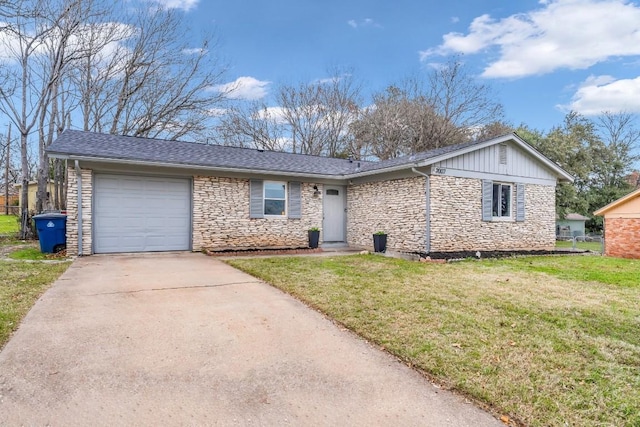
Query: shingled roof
[[81, 145]]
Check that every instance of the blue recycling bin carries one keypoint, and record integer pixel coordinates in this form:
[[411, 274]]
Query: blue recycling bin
[[52, 231]]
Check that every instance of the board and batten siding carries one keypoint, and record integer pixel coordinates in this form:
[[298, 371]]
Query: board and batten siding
[[518, 163]]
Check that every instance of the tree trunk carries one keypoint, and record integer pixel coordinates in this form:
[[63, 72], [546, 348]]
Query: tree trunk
[[6, 173], [25, 220]]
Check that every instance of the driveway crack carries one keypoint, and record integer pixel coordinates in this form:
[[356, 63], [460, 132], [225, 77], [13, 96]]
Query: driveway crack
[[173, 288]]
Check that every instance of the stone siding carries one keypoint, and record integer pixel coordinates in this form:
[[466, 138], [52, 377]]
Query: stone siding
[[622, 237], [72, 211], [397, 207], [456, 218], [221, 217]]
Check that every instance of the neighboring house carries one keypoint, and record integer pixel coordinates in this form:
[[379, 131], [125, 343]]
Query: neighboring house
[[140, 194], [571, 226], [32, 191], [8, 205], [622, 226]]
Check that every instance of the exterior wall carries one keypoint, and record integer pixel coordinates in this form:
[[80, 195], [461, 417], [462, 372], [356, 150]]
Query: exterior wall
[[397, 207], [72, 211], [221, 217], [622, 237], [456, 218]]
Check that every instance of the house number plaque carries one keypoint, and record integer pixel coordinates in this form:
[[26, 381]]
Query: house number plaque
[[440, 171]]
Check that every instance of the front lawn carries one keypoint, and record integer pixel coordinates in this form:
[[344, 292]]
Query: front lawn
[[22, 282], [544, 340]]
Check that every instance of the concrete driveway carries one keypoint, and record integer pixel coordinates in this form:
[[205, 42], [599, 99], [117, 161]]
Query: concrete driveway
[[183, 339]]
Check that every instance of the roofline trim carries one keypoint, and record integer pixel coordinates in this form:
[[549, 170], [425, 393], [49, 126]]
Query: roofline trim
[[191, 166], [232, 169]]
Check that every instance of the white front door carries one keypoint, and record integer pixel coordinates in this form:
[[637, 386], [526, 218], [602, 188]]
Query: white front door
[[334, 206]]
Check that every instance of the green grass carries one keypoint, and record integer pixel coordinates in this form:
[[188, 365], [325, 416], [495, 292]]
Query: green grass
[[29, 253], [21, 284], [545, 340], [587, 246], [9, 224]]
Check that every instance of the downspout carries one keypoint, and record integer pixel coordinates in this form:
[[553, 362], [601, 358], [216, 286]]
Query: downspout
[[79, 202], [427, 237]]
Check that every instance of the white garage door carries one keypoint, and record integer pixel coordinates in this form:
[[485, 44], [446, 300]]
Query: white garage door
[[141, 214]]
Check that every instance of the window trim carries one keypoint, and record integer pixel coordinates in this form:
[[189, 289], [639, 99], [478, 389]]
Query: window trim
[[508, 217], [285, 199]]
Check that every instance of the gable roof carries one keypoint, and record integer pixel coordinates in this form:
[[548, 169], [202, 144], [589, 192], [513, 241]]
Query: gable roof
[[572, 217], [80, 145], [616, 203]]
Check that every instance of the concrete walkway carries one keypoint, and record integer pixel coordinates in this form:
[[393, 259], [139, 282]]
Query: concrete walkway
[[183, 339]]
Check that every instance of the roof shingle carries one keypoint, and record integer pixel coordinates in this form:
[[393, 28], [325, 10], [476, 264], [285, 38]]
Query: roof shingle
[[100, 146]]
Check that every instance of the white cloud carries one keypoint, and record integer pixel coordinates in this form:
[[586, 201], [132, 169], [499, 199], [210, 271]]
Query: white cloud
[[194, 51], [573, 34], [366, 22], [455, 19], [185, 5], [603, 93], [109, 37], [248, 88], [276, 114]]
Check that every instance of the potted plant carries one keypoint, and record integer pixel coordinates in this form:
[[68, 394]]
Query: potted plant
[[379, 241], [314, 237]]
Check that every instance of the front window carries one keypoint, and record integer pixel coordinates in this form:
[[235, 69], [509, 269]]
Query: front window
[[275, 198], [501, 200]]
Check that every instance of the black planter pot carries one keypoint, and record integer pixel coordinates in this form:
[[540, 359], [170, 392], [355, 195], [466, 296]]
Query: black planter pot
[[379, 242], [314, 237]]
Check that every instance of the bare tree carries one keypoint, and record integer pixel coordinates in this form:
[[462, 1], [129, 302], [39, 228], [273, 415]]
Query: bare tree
[[492, 130], [397, 123], [460, 99], [446, 107], [30, 24], [318, 113], [308, 118], [144, 79], [253, 125]]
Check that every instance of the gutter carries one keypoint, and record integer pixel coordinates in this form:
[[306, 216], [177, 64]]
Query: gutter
[[79, 202], [427, 237]]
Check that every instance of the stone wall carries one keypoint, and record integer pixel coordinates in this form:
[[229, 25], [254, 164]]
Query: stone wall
[[456, 218], [221, 217], [397, 207], [621, 237], [72, 211]]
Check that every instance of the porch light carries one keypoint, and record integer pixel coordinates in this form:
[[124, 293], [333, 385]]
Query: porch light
[[316, 192]]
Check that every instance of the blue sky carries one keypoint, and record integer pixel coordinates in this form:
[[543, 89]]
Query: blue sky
[[542, 58]]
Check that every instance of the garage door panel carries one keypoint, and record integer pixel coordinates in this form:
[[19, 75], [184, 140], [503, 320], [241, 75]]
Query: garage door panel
[[139, 214]]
